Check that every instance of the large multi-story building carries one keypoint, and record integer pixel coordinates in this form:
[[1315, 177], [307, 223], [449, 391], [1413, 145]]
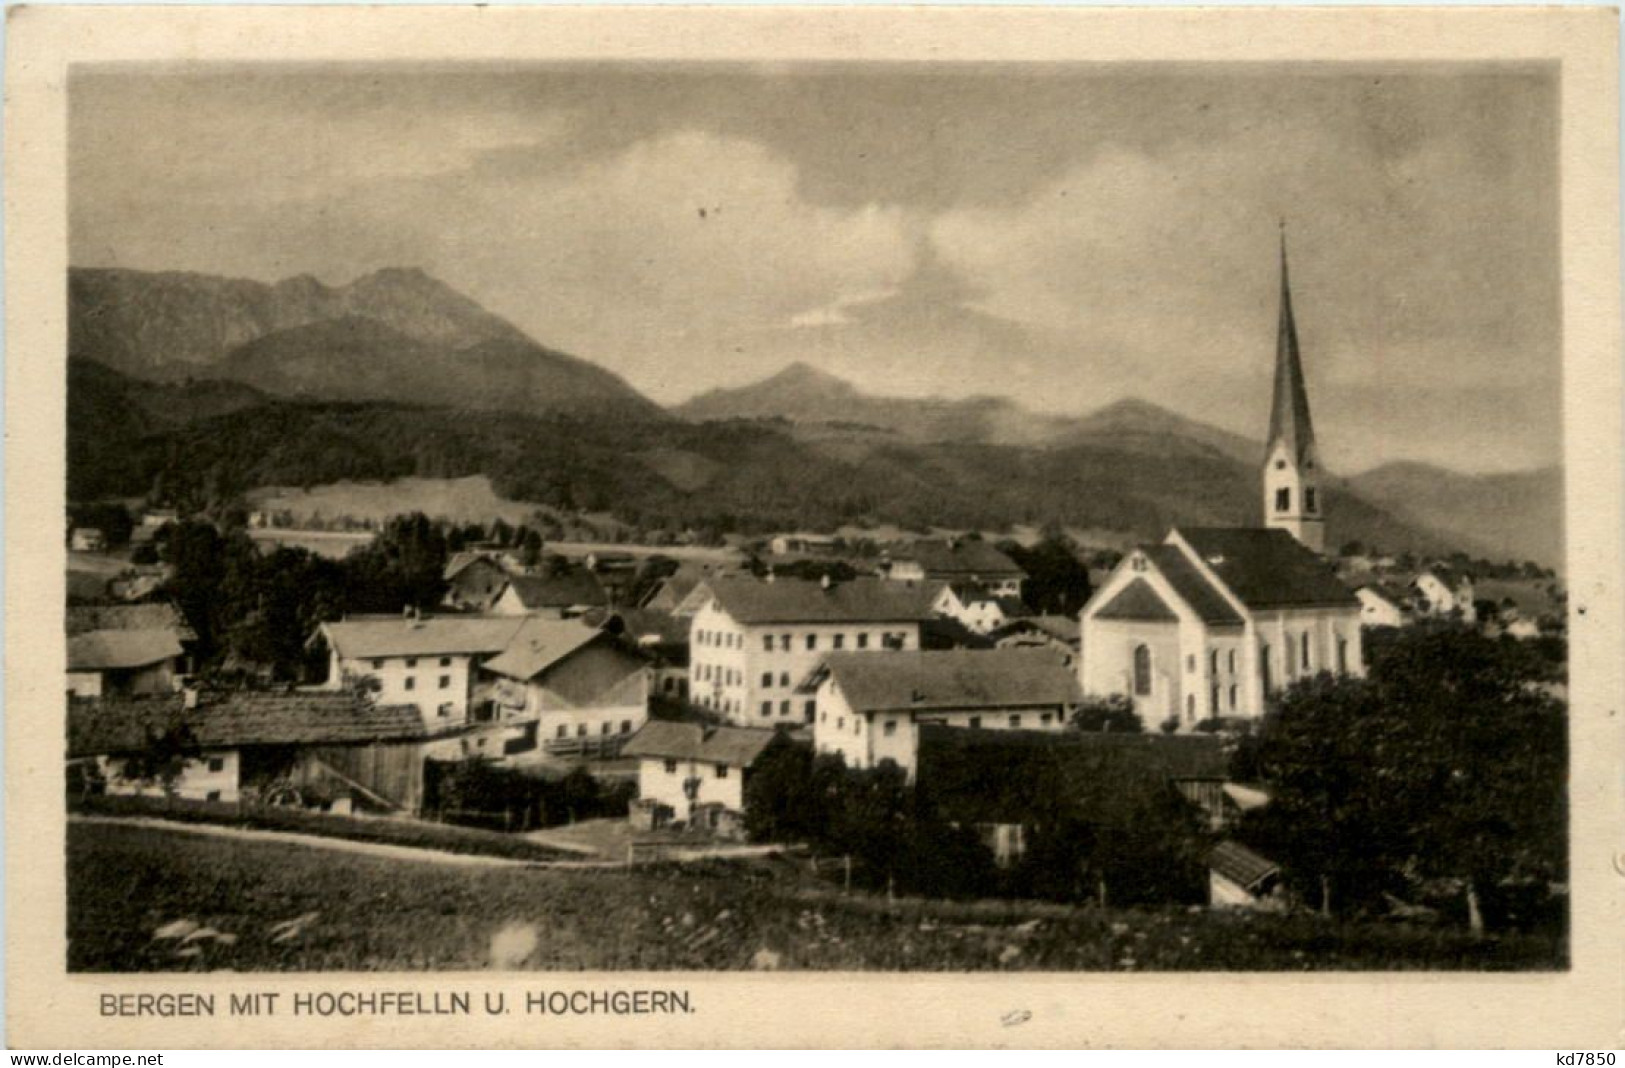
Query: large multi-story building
[[753, 642]]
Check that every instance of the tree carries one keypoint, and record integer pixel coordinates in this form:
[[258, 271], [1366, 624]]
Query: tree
[[1057, 580], [1448, 761], [1114, 712]]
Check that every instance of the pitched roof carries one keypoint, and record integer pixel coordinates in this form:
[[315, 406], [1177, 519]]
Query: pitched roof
[[1289, 409], [944, 679], [1240, 865], [541, 643], [1063, 629], [1193, 587], [99, 725], [87, 586], [653, 626], [157, 615], [1268, 568], [367, 639], [863, 600], [738, 746], [114, 650], [577, 586], [1138, 601], [461, 561], [949, 559]]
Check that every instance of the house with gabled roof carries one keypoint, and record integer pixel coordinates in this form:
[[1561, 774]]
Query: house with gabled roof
[[1446, 592], [1214, 620], [754, 641], [956, 560], [474, 580], [572, 690], [686, 769], [870, 709], [560, 595], [429, 662], [223, 746]]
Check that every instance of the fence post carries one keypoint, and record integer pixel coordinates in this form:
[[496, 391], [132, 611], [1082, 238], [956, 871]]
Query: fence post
[[848, 861]]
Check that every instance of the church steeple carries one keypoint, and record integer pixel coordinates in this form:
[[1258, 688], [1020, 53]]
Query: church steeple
[[1289, 413], [1291, 475]]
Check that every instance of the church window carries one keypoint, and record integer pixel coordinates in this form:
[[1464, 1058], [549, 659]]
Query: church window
[[1213, 662], [1232, 660], [1232, 697], [1280, 465], [1303, 645], [1190, 662], [1215, 704], [1142, 670], [1342, 656], [1190, 706], [1283, 500], [1309, 499], [1264, 668]]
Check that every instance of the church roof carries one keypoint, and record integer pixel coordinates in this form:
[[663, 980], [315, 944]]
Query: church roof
[[1193, 587], [1267, 568], [1138, 601], [1289, 412]]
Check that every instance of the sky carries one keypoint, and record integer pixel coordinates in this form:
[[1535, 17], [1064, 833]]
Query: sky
[[1066, 235]]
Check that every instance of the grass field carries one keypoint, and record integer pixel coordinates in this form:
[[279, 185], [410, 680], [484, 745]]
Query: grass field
[[266, 906]]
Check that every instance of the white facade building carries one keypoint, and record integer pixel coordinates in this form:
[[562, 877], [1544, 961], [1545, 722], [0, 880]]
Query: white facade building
[[685, 766], [429, 663]]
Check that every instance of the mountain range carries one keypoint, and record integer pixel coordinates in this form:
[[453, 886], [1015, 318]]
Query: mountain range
[[187, 378]]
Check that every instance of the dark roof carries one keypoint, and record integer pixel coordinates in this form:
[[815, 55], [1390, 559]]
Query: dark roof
[[1193, 587], [1267, 568], [368, 639], [1063, 629], [1240, 865], [951, 559], [945, 632], [577, 586], [863, 600], [738, 746], [461, 561], [947, 679], [541, 643], [1289, 410], [157, 615], [115, 650], [652, 626], [87, 586], [99, 725], [1138, 601]]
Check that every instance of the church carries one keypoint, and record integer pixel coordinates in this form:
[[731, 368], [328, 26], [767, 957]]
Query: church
[[1213, 620]]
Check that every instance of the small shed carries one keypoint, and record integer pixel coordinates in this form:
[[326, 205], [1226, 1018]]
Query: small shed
[[1240, 878]]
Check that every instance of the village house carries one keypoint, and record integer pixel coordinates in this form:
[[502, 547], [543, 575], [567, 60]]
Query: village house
[[157, 616], [474, 580], [677, 592], [754, 641], [977, 607], [574, 689], [694, 772], [559, 595], [1213, 620], [1382, 606], [956, 560], [1057, 633], [1445, 592], [289, 747], [870, 708], [107, 663], [431, 663], [802, 544]]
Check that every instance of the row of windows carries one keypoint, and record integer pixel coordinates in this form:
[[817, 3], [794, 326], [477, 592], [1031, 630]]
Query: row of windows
[[720, 770], [719, 639], [581, 729], [784, 709], [411, 662], [1305, 662], [717, 673], [1283, 500], [411, 682], [1213, 662], [889, 727]]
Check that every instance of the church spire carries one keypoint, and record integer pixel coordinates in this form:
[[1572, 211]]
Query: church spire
[[1289, 413]]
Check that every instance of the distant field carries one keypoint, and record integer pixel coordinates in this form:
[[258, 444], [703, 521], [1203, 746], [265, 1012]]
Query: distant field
[[331, 543], [466, 500], [276, 907]]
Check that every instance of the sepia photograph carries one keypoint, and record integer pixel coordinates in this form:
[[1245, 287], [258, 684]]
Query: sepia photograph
[[810, 515]]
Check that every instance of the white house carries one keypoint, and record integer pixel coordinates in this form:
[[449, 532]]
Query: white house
[[977, 607], [962, 560], [1381, 608], [755, 641], [687, 767], [88, 540], [1213, 620], [1446, 592], [870, 708], [430, 663], [574, 688]]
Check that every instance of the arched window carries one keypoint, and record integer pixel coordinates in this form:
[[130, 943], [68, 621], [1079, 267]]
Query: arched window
[[1190, 706], [1142, 670], [1264, 669], [1309, 499], [1303, 643], [1213, 662], [1283, 499], [1215, 708], [1342, 655], [1232, 697]]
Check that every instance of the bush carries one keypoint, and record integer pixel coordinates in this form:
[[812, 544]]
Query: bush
[[1114, 712]]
